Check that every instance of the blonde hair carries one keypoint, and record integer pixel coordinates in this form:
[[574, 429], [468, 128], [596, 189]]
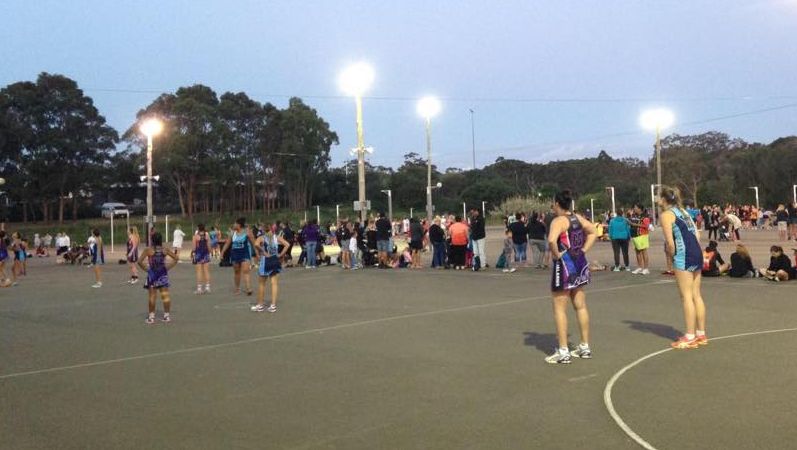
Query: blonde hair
[[742, 250], [134, 231]]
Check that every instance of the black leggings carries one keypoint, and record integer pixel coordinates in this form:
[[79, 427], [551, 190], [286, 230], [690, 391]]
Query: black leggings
[[712, 231], [617, 245]]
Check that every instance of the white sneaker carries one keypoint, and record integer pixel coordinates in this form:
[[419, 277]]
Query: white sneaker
[[645, 272], [637, 271], [512, 270], [97, 285], [581, 351], [272, 308], [505, 271], [258, 308], [559, 358], [134, 281]]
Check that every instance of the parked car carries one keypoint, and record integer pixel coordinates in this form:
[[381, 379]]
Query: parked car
[[114, 209]]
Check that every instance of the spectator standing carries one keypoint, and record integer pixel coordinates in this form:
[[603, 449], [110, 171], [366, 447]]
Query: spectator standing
[[383, 235], [509, 246], [537, 240], [782, 218], [459, 241], [519, 238], [619, 233], [478, 235], [177, 241], [437, 238]]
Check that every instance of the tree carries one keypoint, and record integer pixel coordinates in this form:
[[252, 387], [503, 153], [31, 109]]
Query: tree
[[54, 142]]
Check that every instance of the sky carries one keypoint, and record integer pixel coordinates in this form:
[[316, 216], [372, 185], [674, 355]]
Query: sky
[[547, 80]]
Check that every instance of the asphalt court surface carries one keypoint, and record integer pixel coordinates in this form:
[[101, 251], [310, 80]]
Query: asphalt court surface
[[391, 359]]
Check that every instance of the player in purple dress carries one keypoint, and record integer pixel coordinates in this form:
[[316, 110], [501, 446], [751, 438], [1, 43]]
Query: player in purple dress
[[132, 253], [157, 275], [200, 256], [570, 236]]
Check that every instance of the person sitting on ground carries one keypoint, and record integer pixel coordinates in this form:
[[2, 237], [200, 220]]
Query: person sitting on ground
[[713, 264], [780, 268], [741, 263]]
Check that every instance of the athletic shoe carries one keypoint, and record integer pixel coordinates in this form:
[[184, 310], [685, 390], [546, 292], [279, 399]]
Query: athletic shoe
[[668, 273], [512, 270], [616, 269], [272, 308], [166, 318], [199, 291], [637, 271], [96, 285], [581, 351], [682, 343], [150, 319], [505, 271], [559, 358], [134, 281], [645, 272], [702, 340], [258, 308]]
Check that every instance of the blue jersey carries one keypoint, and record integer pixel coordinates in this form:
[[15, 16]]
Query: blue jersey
[[688, 254]]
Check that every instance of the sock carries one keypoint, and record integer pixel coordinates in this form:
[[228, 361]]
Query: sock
[[700, 333], [564, 350], [199, 287], [152, 315], [166, 314], [689, 337], [583, 345], [207, 287]]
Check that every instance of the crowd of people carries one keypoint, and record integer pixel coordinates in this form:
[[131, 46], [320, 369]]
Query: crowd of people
[[558, 238]]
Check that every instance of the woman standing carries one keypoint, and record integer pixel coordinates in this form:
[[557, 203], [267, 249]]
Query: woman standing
[[619, 233], [416, 242], [269, 269], [238, 243], [157, 277], [97, 256], [132, 253], [201, 259], [683, 248], [570, 237], [782, 217], [4, 242]]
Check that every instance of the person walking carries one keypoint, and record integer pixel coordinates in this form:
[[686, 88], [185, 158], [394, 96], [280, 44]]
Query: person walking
[[478, 235], [133, 240], [619, 233], [200, 256], [570, 238], [683, 248]]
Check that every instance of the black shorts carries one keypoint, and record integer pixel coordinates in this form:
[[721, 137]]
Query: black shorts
[[416, 245]]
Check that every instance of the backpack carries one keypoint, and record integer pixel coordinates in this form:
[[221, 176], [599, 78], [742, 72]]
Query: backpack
[[708, 260]]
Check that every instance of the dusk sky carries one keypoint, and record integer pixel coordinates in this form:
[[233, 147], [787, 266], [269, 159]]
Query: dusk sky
[[547, 79]]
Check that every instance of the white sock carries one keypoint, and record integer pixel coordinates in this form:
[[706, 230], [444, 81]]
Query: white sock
[[700, 333], [564, 350], [689, 337], [583, 345]]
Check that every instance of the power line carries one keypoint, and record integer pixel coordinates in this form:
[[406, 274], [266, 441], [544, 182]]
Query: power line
[[482, 99]]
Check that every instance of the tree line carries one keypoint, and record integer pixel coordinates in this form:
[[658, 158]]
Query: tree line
[[227, 153]]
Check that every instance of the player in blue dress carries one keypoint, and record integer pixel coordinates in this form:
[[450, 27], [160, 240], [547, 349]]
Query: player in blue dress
[[570, 237], [239, 244], [683, 249], [200, 256], [268, 245], [157, 269], [97, 256], [4, 244]]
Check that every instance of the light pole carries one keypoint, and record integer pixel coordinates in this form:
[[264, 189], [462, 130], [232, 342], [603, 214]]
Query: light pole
[[794, 193], [592, 210], [337, 214], [657, 120], [318, 215], [755, 188], [389, 205], [484, 213], [614, 208], [151, 127], [654, 210], [354, 81], [428, 107], [473, 138]]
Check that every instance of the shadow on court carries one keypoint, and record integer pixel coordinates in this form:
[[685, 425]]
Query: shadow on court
[[544, 342], [658, 329]]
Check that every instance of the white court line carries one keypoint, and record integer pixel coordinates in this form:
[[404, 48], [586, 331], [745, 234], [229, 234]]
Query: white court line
[[301, 333], [607, 392]]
